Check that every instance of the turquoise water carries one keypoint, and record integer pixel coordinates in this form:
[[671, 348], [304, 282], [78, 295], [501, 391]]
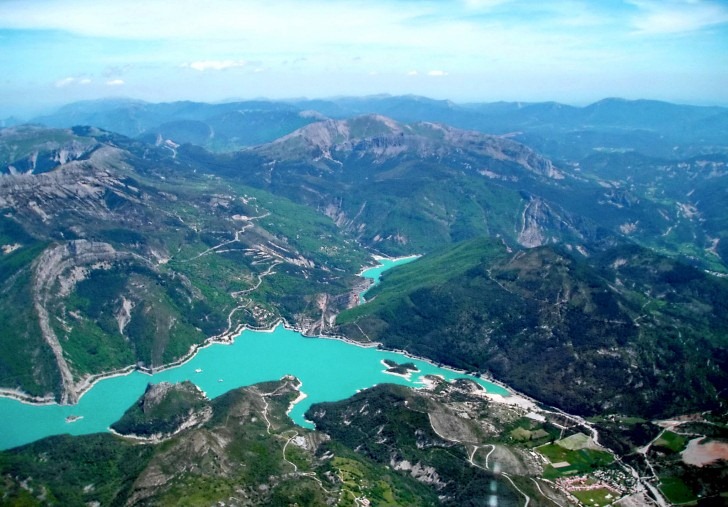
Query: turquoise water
[[375, 273], [329, 369]]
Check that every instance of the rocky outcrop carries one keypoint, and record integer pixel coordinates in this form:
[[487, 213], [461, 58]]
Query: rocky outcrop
[[123, 314], [55, 150], [423, 473], [80, 188], [56, 271], [538, 217], [531, 234], [154, 395], [163, 411]]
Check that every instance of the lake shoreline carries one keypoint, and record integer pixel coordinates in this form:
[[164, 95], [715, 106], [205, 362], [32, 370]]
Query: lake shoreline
[[367, 283], [86, 384], [378, 258], [253, 359]]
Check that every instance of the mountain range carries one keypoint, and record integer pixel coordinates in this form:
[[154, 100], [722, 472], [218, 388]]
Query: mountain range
[[558, 130], [577, 253]]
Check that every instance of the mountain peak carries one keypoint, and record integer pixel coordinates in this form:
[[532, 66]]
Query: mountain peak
[[323, 136], [380, 138]]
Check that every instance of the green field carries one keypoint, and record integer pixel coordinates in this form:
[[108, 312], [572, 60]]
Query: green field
[[580, 461], [574, 442], [676, 490], [521, 434], [671, 441], [595, 497]]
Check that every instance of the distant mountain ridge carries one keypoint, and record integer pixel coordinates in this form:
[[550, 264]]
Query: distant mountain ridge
[[218, 127], [246, 123], [612, 122], [383, 138]]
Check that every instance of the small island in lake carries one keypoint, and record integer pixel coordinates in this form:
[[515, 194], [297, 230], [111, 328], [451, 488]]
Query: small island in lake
[[404, 369]]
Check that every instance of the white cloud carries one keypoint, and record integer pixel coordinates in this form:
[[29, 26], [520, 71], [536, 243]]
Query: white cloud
[[199, 20], [484, 4], [672, 17], [114, 82], [328, 33], [412, 73], [204, 65], [68, 81], [65, 82], [437, 73]]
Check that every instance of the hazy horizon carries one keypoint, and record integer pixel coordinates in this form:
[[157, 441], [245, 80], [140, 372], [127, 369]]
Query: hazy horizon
[[52, 109], [570, 51]]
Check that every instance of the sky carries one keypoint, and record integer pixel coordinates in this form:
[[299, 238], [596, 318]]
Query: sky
[[572, 51]]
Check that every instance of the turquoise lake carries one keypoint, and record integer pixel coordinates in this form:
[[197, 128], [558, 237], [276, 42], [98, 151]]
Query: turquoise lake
[[375, 273], [329, 369]]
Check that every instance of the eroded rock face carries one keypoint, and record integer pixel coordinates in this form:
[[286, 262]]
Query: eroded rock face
[[423, 473], [534, 215], [538, 217], [68, 264], [58, 269], [44, 156], [82, 187]]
